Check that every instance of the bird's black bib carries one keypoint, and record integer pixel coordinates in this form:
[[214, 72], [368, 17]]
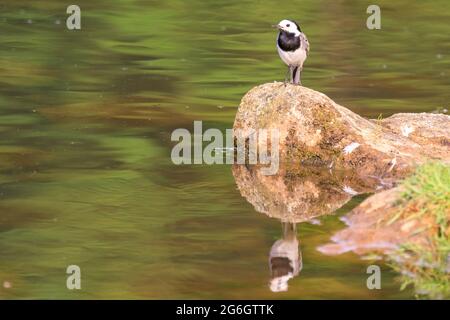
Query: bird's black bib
[[288, 41]]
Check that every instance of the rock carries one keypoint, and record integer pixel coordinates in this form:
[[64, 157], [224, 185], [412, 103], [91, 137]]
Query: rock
[[317, 132], [363, 233], [416, 213]]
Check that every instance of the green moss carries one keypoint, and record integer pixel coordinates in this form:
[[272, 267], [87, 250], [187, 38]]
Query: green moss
[[332, 131], [300, 153]]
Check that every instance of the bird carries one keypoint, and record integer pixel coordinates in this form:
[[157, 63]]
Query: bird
[[293, 48]]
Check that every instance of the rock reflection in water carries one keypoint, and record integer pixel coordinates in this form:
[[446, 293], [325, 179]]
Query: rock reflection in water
[[294, 196], [300, 194]]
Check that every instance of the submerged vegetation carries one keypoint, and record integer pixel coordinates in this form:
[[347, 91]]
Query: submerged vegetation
[[426, 264]]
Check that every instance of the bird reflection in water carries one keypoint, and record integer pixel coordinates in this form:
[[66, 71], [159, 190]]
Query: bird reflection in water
[[294, 196], [285, 259]]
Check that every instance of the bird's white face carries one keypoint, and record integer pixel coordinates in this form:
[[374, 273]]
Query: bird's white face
[[288, 26]]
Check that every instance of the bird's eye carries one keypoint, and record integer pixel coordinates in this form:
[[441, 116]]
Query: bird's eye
[[288, 25]]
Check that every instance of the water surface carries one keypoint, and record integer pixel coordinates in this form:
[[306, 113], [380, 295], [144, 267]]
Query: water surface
[[85, 122]]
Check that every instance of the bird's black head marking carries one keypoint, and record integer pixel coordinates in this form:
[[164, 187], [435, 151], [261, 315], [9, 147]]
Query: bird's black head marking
[[290, 27], [298, 26]]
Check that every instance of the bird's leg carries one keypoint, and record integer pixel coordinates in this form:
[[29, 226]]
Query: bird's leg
[[293, 74], [288, 74], [297, 76], [293, 69]]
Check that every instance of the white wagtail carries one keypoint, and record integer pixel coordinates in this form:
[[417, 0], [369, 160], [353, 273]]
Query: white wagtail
[[293, 48]]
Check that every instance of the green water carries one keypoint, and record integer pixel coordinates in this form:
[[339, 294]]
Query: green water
[[86, 117]]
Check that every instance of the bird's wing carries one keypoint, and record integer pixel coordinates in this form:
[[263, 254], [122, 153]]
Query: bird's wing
[[304, 42]]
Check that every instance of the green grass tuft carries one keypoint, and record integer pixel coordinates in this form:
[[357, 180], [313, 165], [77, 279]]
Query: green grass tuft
[[426, 195]]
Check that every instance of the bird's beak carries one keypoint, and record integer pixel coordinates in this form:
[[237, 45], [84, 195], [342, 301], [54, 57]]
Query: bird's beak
[[277, 26]]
